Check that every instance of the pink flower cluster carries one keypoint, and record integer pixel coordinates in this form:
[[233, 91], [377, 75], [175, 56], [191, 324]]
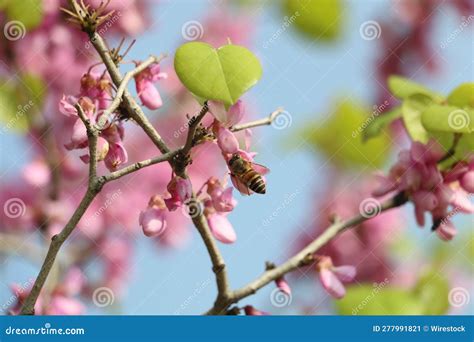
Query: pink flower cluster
[[418, 175], [94, 97]]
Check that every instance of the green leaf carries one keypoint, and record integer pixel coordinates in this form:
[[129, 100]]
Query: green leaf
[[378, 300], [340, 138], [462, 96], [432, 290], [448, 119], [379, 122], [316, 19], [12, 116], [222, 74], [412, 109], [403, 88], [28, 12], [465, 147]]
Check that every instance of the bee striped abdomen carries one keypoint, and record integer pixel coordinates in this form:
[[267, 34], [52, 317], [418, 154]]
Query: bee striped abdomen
[[254, 181]]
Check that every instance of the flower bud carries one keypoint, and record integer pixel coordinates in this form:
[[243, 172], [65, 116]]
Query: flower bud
[[153, 218]]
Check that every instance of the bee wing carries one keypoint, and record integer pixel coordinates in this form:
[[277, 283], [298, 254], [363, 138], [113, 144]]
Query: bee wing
[[263, 170], [243, 189]]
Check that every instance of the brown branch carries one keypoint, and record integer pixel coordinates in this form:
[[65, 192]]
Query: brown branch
[[261, 122], [137, 166], [193, 124], [129, 104], [123, 86], [302, 257], [218, 264]]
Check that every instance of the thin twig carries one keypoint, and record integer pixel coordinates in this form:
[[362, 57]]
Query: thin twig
[[193, 123], [298, 259], [137, 166], [261, 122], [123, 86], [129, 104]]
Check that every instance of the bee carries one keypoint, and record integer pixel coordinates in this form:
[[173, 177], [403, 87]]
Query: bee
[[243, 172]]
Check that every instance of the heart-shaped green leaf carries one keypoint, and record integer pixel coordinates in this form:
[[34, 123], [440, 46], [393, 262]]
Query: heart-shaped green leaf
[[222, 74]]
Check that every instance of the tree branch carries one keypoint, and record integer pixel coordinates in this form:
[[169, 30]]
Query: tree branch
[[302, 257], [261, 122], [137, 166], [123, 86], [129, 104]]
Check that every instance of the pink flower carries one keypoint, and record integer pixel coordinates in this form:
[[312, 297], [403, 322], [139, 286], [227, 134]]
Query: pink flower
[[226, 140], [227, 118], [283, 286], [153, 218], [446, 231], [251, 311], [417, 174], [467, 181], [222, 199], [66, 105], [37, 173], [146, 90], [98, 87], [221, 228], [331, 277], [181, 191], [116, 156]]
